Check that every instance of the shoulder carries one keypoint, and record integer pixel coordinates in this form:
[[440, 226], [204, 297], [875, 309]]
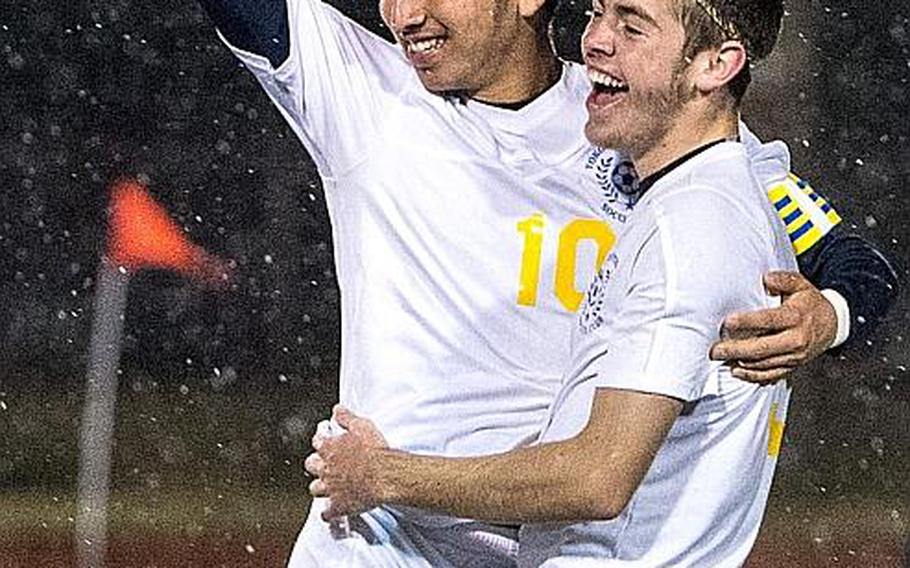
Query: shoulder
[[712, 219], [716, 185]]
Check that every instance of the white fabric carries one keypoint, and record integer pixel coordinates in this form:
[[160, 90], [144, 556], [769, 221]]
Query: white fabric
[[694, 250], [441, 210], [426, 197], [842, 311], [382, 539]]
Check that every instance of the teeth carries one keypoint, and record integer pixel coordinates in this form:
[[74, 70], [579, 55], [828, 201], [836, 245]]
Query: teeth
[[424, 46], [601, 78]]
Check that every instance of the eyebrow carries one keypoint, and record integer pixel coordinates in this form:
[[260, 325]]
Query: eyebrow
[[627, 10]]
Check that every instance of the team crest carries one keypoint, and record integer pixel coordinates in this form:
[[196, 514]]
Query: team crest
[[618, 182], [591, 314]]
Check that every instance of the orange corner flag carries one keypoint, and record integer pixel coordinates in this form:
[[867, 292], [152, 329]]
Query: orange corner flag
[[142, 235]]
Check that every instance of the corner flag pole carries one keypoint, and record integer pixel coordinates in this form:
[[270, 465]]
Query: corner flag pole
[[140, 235], [96, 436]]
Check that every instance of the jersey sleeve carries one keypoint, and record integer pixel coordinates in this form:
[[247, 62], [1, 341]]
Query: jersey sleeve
[[860, 273], [259, 27], [332, 85], [829, 256], [832, 258], [691, 271], [807, 216]]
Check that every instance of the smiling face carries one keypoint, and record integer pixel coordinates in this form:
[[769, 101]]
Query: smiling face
[[633, 53], [472, 47]]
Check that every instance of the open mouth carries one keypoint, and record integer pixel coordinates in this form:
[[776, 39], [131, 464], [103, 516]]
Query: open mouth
[[421, 51], [423, 46], [606, 88]]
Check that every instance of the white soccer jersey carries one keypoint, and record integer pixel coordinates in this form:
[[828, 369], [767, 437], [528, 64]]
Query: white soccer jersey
[[694, 251], [464, 235]]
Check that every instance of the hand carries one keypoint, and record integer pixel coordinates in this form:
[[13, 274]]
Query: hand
[[764, 345], [345, 466]]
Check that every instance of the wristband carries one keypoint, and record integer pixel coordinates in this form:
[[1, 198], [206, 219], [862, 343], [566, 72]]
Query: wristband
[[842, 313]]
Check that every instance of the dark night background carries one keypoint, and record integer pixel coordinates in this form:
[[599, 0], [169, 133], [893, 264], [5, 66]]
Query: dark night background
[[220, 390]]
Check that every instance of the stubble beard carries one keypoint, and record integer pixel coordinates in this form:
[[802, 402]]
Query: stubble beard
[[646, 122]]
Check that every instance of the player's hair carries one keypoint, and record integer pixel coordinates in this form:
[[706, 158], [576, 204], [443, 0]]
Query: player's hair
[[708, 23]]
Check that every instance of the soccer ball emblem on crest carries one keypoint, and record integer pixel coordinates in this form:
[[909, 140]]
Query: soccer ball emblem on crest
[[618, 182], [625, 178]]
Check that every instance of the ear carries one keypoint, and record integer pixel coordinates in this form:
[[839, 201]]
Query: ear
[[716, 67], [529, 8]]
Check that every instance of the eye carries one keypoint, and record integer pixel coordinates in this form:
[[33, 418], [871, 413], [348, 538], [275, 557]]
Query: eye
[[630, 30]]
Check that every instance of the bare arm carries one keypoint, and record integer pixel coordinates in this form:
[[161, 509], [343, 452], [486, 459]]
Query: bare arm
[[590, 476]]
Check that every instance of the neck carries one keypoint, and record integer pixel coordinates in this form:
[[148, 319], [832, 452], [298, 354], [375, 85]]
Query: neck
[[530, 67], [689, 131]]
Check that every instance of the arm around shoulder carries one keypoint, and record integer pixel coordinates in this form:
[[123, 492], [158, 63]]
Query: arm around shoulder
[[857, 271]]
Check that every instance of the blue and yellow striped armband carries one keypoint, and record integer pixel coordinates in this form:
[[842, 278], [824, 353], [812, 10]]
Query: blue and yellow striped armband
[[805, 213]]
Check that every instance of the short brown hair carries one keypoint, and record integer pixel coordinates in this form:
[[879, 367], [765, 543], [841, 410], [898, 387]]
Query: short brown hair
[[708, 23]]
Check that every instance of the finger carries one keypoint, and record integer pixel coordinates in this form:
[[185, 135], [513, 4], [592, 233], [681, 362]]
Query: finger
[[318, 488], [785, 283], [326, 447], [343, 416], [361, 426], [331, 512], [760, 322], [788, 361], [757, 348], [314, 464], [761, 377], [323, 432]]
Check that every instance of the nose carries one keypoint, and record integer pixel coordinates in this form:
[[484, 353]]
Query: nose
[[404, 15], [599, 39]]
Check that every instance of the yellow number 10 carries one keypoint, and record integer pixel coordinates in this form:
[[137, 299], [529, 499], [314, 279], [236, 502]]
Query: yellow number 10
[[566, 257]]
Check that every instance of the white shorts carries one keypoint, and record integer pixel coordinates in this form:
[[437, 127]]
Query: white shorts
[[383, 539]]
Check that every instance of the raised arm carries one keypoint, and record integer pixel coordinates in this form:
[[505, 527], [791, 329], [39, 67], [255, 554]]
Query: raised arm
[[260, 27], [329, 77], [590, 476]]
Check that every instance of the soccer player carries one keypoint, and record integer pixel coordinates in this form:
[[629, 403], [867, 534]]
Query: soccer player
[[468, 213], [669, 453]]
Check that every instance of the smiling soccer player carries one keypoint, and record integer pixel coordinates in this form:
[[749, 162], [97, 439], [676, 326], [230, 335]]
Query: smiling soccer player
[[651, 455], [468, 213]]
